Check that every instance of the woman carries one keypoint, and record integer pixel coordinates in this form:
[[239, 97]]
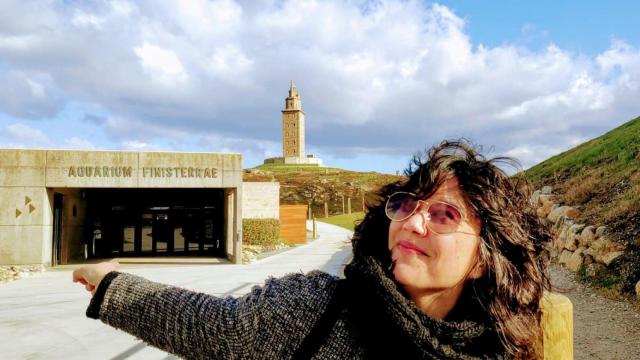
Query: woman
[[446, 264]]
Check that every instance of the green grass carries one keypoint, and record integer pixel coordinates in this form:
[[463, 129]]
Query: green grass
[[346, 221], [614, 151], [602, 279], [281, 168]]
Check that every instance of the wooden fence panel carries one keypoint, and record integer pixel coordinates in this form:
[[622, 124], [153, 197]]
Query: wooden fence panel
[[293, 223]]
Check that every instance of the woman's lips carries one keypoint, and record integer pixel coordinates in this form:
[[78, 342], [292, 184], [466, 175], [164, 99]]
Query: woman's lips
[[410, 247]]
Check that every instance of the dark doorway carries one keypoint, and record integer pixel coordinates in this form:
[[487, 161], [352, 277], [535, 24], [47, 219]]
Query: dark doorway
[[155, 222], [57, 229]]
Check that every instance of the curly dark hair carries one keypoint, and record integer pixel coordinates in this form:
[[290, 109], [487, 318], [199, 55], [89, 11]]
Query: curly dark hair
[[514, 244]]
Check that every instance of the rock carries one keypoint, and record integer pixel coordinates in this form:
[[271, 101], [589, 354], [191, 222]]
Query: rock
[[534, 198], [545, 199], [588, 259], [570, 244], [564, 257], [546, 190], [600, 231], [603, 245], [558, 241], [638, 289], [575, 260], [545, 209], [608, 258], [562, 223], [568, 211], [572, 236], [593, 269], [587, 235], [576, 229], [590, 252]]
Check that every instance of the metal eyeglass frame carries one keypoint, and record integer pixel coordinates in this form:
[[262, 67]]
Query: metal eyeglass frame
[[425, 214]]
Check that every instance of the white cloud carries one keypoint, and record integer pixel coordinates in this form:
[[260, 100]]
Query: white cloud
[[381, 77], [28, 95], [78, 143], [122, 8], [161, 64], [19, 135], [231, 64], [138, 145], [83, 19]]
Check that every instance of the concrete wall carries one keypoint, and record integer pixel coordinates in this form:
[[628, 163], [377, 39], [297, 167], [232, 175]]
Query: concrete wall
[[260, 200], [28, 177], [25, 215], [25, 223], [119, 169]]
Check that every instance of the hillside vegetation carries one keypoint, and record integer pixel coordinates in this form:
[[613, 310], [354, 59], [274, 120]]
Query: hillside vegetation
[[601, 178], [315, 185]]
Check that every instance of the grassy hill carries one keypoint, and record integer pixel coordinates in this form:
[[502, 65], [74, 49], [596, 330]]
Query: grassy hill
[[300, 184], [601, 177]]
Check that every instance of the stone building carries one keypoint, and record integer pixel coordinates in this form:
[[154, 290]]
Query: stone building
[[64, 207], [293, 133]]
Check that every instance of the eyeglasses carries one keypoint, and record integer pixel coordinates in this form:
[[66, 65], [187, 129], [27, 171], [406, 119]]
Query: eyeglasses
[[440, 217]]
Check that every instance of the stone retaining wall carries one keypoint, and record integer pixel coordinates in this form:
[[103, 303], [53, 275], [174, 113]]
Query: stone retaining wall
[[575, 244]]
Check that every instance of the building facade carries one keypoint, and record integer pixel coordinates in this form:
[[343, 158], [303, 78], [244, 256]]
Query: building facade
[[68, 206]]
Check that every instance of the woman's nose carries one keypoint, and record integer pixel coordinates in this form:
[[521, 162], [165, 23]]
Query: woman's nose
[[416, 223]]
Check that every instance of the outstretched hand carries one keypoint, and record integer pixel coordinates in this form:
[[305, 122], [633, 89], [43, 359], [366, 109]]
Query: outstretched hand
[[91, 275]]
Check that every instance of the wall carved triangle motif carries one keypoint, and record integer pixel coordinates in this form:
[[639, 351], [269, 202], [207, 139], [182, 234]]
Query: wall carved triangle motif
[[27, 201]]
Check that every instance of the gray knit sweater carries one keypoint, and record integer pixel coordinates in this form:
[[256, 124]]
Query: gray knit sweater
[[270, 322]]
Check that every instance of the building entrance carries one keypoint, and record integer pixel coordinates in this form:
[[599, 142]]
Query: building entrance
[[154, 222]]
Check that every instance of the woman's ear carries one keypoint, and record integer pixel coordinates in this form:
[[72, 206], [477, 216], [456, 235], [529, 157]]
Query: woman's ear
[[478, 270]]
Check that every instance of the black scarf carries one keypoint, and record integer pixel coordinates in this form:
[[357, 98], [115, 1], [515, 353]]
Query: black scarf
[[389, 322]]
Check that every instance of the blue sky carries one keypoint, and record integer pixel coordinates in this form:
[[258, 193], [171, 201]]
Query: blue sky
[[586, 27], [379, 80]]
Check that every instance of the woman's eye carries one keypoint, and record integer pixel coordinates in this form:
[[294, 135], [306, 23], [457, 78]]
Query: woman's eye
[[444, 214], [408, 205]]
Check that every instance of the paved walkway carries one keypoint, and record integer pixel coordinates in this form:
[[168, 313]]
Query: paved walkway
[[43, 317]]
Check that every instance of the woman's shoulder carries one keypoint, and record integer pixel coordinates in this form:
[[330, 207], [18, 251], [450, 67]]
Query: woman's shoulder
[[311, 291], [310, 284]]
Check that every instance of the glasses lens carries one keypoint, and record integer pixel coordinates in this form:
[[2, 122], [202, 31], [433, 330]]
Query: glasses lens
[[400, 206], [444, 218]]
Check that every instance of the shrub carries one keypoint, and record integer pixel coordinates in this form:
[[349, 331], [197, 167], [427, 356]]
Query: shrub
[[581, 190], [264, 232]]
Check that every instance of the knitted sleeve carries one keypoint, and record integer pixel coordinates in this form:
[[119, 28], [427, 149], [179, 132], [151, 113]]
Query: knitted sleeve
[[269, 322]]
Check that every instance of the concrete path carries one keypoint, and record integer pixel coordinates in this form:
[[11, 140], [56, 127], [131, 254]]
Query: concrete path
[[43, 317]]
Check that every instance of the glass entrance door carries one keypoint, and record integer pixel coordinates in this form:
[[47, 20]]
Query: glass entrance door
[[162, 234], [156, 222]]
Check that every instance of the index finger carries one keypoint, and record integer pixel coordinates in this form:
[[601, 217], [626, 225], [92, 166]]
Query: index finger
[[78, 275]]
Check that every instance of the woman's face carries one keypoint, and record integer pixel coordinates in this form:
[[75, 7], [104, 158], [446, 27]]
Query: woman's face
[[427, 262]]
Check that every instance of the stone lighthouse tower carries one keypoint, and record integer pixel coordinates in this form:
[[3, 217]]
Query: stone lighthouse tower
[[293, 125], [293, 134]]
